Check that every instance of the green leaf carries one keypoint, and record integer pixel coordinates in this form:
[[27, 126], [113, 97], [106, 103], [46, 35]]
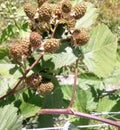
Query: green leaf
[[24, 30], [89, 18], [4, 55], [6, 84], [106, 104], [86, 104], [67, 91], [9, 75], [88, 79], [9, 120], [100, 52], [81, 104], [20, 12], [7, 33], [10, 70], [114, 79], [59, 60]]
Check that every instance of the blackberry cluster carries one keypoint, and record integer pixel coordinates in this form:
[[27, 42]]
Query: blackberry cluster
[[47, 16], [34, 81], [44, 21]]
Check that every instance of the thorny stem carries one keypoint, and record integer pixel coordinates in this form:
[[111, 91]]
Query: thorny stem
[[14, 90], [74, 86], [78, 114]]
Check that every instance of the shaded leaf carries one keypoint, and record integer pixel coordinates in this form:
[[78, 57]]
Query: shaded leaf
[[100, 52], [53, 100], [45, 121], [30, 103]]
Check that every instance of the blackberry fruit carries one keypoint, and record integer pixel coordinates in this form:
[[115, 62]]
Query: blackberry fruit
[[29, 10], [36, 40], [45, 87], [45, 12], [81, 37], [16, 52], [33, 81], [51, 45], [66, 6], [26, 48], [79, 10]]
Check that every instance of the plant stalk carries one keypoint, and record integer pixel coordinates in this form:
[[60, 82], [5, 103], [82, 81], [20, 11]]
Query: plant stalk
[[78, 114], [74, 85]]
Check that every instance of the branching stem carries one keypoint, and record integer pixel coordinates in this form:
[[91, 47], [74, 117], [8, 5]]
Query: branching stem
[[78, 114]]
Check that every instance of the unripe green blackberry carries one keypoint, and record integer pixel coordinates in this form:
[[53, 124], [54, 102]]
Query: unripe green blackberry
[[36, 40], [81, 38], [79, 10], [66, 6], [16, 52], [40, 2], [33, 81], [45, 12], [51, 45], [45, 87], [26, 48], [29, 10]]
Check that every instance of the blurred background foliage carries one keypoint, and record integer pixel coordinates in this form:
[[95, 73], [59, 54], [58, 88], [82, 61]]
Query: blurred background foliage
[[109, 14]]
